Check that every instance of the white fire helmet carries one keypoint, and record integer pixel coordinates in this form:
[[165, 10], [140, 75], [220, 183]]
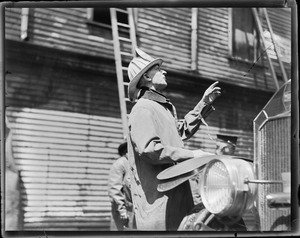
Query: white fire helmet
[[137, 67]]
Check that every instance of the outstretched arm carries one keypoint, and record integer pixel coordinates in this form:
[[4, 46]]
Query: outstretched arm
[[192, 120]]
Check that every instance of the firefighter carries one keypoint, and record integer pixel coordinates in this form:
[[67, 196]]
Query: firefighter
[[119, 192], [155, 142]]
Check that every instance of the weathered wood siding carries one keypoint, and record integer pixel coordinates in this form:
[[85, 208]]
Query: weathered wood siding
[[61, 28], [281, 21], [66, 131], [162, 32], [168, 35], [234, 113], [64, 160]]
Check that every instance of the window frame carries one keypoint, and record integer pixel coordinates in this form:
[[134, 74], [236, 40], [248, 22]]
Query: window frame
[[90, 19], [257, 48]]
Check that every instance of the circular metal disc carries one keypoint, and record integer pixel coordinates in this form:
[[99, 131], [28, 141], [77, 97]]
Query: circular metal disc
[[185, 167], [189, 165], [168, 184]]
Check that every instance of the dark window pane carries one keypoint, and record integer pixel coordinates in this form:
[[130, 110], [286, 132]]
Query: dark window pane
[[102, 15], [244, 39]]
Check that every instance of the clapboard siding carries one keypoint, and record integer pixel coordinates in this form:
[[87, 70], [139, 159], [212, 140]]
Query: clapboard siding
[[64, 159], [280, 18], [234, 114], [63, 28], [13, 23], [282, 35], [214, 61], [163, 32], [235, 109], [51, 85], [206, 136], [166, 33], [66, 131]]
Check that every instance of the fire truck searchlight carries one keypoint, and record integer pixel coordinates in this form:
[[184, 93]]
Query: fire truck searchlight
[[223, 189]]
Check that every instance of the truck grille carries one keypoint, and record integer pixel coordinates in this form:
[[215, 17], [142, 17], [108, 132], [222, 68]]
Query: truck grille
[[272, 158]]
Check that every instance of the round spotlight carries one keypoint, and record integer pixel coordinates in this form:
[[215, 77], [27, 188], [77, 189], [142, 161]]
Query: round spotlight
[[223, 188]]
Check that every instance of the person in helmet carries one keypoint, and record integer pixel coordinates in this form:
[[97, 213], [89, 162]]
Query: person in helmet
[[155, 142]]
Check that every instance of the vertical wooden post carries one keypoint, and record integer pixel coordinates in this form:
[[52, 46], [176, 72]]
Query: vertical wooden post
[[24, 23], [132, 30], [90, 13], [230, 33], [194, 39]]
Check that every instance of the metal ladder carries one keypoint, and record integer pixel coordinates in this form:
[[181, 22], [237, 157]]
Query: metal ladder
[[124, 41], [263, 40]]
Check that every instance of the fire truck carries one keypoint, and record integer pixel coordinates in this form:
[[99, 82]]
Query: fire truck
[[231, 185]]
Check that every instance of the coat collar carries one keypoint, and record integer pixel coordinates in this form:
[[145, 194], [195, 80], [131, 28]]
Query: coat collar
[[153, 95]]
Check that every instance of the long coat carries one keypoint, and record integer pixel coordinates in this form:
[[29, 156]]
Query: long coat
[[155, 142], [119, 193]]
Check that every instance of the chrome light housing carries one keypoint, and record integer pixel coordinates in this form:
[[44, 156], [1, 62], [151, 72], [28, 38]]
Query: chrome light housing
[[223, 188]]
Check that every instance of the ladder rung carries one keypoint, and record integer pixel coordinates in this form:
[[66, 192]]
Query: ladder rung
[[125, 83], [124, 25], [126, 53], [124, 68], [126, 99], [121, 10], [124, 39]]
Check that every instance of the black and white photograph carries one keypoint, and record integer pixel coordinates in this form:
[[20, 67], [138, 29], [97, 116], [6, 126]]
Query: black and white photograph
[[131, 117]]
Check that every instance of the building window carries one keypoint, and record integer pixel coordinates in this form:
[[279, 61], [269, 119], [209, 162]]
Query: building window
[[99, 23], [101, 16], [244, 44]]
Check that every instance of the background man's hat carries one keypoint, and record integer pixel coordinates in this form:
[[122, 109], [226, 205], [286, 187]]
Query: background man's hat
[[227, 139], [122, 149], [137, 67]]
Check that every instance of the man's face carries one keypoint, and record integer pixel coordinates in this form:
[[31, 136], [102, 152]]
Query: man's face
[[223, 148], [158, 77]]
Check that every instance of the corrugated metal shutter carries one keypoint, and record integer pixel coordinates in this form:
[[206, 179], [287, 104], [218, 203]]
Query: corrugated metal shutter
[[64, 160]]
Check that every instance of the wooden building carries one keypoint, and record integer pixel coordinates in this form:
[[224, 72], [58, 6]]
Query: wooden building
[[62, 94]]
